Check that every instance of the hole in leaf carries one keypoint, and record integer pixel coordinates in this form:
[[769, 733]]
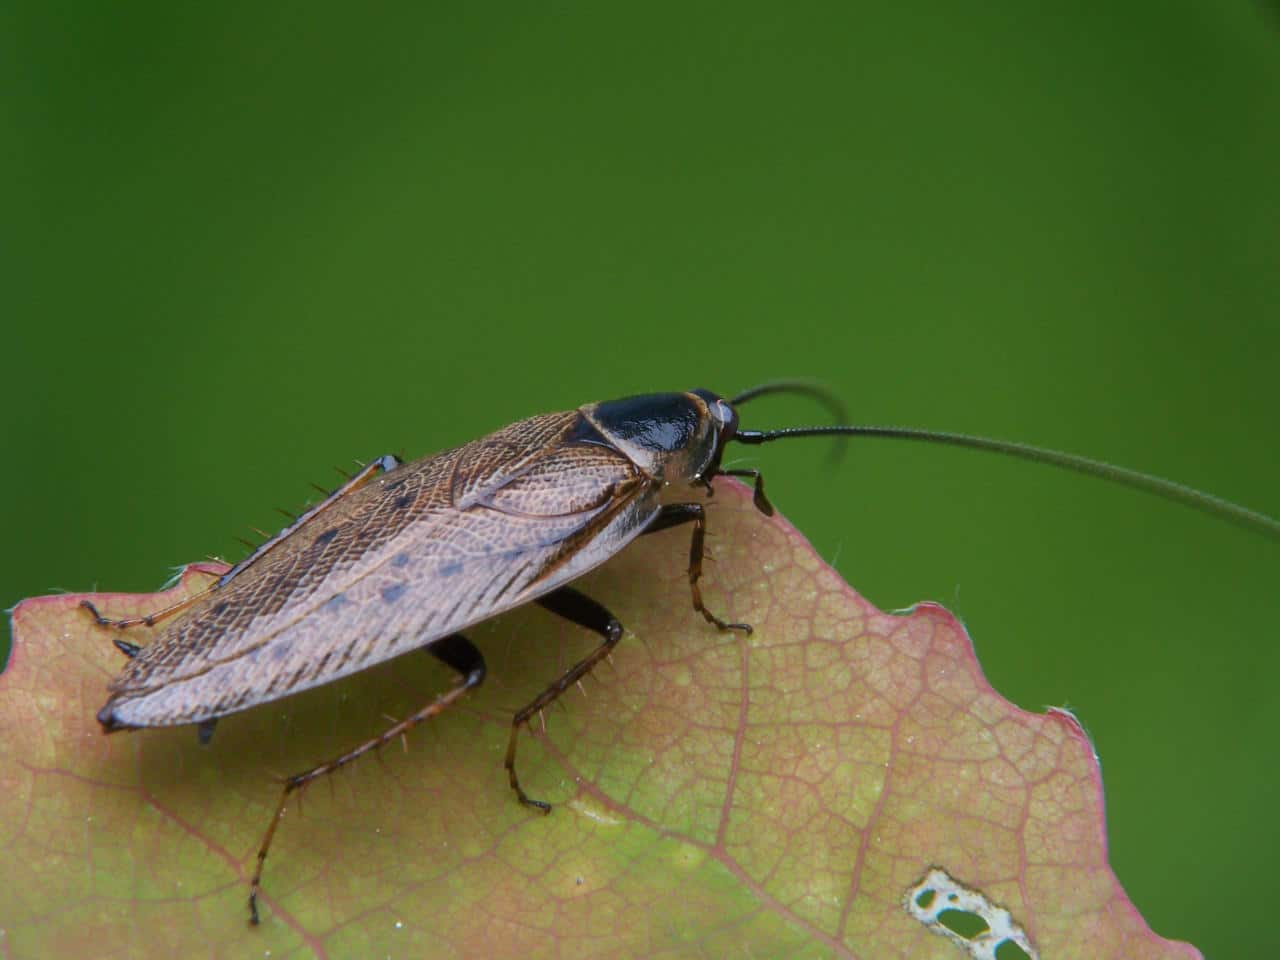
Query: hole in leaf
[[963, 923], [1008, 950], [966, 917]]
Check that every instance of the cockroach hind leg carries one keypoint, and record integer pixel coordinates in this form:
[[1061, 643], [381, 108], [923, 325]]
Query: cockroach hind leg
[[204, 730], [147, 620], [93, 611], [454, 650]]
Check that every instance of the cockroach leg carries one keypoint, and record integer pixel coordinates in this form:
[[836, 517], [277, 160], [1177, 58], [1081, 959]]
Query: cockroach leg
[[758, 498], [674, 514], [204, 730], [457, 652], [149, 620], [130, 650], [580, 609]]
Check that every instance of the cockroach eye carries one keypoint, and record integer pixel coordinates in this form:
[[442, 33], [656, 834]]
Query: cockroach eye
[[725, 417], [726, 414]]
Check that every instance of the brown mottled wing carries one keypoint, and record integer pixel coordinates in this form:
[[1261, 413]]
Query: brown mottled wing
[[421, 552]]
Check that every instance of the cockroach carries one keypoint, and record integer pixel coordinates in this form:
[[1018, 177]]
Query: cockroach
[[407, 556]]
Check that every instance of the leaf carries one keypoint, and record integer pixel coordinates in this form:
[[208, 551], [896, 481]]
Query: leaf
[[783, 794]]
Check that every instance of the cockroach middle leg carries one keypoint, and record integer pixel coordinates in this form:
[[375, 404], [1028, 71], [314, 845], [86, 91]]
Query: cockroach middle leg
[[585, 612], [457, 652], [673, 515]]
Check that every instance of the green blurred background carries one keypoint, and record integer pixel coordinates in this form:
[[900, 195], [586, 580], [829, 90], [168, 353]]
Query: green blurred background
[[242, 245]]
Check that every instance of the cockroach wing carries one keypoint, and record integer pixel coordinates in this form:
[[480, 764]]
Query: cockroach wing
[[419, 553]]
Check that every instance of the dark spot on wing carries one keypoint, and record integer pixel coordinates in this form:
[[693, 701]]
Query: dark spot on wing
[[325, 537], [451, 569], [403, 500], [394, 592], [220, 608], [400, 560]]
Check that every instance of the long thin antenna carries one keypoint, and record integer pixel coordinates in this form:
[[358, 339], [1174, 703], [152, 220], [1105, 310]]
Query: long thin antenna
[[803, 388], [1177, 492]]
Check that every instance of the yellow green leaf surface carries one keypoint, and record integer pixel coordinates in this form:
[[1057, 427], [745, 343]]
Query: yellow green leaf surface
[[783, 794]]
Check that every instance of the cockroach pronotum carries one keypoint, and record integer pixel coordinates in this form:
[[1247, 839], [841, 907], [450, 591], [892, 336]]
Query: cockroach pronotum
[[407, 556]]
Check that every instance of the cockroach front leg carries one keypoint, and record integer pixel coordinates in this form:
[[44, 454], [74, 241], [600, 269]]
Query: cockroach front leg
[[758, 498], [674, 514], [585, 612], [455, 651]]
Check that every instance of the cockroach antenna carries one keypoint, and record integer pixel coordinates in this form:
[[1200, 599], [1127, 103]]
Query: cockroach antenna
[[1149, 483]]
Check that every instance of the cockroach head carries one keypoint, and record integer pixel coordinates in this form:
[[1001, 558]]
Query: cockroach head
[[679, 438], [721, 412], [675, 437], [723, 420]]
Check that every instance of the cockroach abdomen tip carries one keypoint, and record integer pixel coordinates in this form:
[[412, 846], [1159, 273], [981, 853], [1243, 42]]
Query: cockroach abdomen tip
[[107, 717]]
